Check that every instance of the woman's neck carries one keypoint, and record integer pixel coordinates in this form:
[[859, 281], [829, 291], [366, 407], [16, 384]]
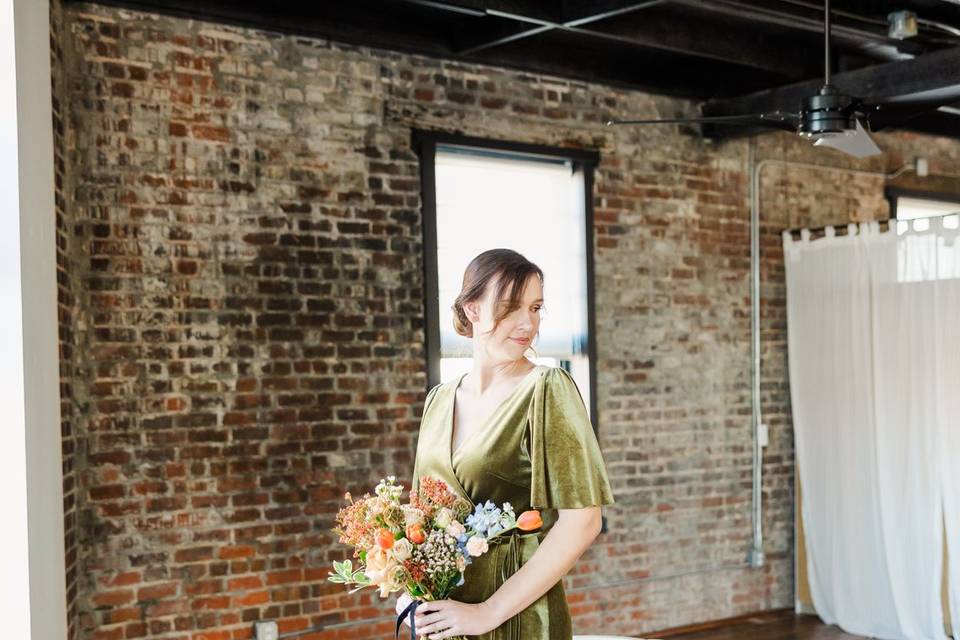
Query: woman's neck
[[484, 375]]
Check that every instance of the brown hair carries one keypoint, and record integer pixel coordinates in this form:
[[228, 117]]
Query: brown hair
[[513, 270]]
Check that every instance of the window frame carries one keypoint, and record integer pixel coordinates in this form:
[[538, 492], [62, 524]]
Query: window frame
[[425, 143], [893, 195]]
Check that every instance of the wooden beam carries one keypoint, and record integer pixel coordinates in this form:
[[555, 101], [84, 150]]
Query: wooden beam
[[931, 72]]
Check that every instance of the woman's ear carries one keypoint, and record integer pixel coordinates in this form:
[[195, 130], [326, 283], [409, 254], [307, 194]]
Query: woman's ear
[[472, 309]]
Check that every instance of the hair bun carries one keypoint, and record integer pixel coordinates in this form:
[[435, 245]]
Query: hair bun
[[461, 323]]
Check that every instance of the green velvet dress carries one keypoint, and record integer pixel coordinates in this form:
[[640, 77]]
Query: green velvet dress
[[537, 450]]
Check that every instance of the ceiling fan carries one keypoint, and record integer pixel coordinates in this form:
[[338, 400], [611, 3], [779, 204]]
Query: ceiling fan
[[831, 118]]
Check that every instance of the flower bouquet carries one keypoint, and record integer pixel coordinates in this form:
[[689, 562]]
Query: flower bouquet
[[421, 547]]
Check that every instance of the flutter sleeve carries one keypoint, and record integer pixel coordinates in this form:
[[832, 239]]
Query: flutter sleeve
[[567, 468], [415, 480]]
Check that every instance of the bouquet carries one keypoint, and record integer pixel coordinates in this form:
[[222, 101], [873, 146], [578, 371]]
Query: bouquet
[[421, 547]]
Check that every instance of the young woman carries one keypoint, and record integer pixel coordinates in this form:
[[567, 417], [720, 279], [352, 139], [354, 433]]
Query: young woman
[[511, 431]]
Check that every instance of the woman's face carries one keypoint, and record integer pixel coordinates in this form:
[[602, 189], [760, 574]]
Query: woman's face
[[516, 331]]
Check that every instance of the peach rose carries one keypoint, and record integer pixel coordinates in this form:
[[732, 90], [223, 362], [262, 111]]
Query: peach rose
[[384, 539], [415, 534], [377, 562]]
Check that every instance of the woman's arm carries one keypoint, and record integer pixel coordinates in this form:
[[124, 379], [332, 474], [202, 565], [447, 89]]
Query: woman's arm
[[563, 545], [571, 535]]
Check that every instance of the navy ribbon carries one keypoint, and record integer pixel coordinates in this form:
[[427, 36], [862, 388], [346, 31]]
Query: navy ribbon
[[411, 610]]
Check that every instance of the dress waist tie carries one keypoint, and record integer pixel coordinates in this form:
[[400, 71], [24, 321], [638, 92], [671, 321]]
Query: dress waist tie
[[508, 567]]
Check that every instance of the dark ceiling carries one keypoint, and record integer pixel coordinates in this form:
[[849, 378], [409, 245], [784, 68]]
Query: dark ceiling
[[717, 51]]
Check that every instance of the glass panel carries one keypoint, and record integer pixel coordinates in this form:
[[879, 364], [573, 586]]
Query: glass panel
[[922, 256], [913, 208]]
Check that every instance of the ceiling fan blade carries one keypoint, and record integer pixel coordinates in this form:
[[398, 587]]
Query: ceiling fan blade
[[892, 110], [857, 143], [777, 120]]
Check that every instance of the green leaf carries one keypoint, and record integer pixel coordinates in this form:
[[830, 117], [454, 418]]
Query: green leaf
[[361, 578]]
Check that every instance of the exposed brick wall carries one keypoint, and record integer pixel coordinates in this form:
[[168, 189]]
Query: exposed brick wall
[[245, 233], [67, 284]]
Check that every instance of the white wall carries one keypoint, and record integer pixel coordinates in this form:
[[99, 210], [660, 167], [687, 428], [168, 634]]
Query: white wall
[[31, 535]]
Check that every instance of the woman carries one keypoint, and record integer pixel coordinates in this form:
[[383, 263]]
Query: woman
[[511, 431]]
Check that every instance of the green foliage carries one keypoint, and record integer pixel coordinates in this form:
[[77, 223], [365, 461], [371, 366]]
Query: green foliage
[[346, 575]]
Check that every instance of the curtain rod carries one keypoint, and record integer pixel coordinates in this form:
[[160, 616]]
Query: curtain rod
[[838, 226]]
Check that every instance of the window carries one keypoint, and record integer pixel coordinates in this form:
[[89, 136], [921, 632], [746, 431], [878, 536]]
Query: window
[[925, 256], [480, 194], [907, 206]]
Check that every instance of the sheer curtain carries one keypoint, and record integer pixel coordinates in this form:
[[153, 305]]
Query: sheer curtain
[[874, 358]]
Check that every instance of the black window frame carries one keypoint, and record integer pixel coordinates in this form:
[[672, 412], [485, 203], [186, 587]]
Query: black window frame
[[425, 143]]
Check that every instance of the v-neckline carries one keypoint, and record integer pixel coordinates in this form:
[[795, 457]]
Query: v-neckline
[[480, 427]]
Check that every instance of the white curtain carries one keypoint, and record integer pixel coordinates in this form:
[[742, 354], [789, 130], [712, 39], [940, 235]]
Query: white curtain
[[874, 360]]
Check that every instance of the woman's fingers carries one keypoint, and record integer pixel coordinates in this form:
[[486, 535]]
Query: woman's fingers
[[425, 609], [428, 620]]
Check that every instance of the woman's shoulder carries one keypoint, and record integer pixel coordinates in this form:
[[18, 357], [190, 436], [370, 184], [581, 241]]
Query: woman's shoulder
[[433, 392], [556, 381], [437, 390], [556, 375]]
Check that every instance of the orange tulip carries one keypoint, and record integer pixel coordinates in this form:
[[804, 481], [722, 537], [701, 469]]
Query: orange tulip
[[385, 539], [415, 534], [529, 520]]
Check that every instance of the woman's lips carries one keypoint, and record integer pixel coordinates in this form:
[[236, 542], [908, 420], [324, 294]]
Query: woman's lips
[[521, 341]]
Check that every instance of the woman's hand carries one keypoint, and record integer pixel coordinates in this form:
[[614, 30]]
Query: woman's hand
[[447, 618]]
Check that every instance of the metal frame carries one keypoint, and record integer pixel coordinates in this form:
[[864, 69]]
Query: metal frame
[[425, 143]]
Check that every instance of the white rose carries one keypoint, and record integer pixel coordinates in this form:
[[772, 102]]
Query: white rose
[[444, 517], [476, 546], [402, 549], [455, 529]]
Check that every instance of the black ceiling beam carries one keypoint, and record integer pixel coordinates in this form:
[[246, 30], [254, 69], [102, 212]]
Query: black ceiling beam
[[549, 11], [675, 37], [703, 40], [573, 10], [930, 72], [878, 45], [505, 31], [655, 71]]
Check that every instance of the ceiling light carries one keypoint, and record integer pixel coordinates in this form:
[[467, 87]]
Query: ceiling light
[[902, 24]]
